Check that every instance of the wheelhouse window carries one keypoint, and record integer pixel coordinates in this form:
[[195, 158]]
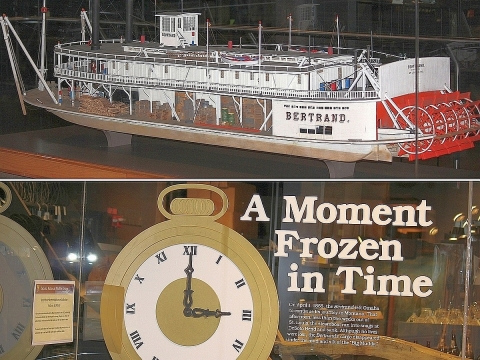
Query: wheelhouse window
[[189, 23], [168, 24]]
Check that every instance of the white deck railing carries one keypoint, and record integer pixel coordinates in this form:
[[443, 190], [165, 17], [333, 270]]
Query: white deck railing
[[275, 64], [78, 63], [173, 84]]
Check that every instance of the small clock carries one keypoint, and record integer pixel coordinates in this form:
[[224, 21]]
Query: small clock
[[189, 288], [21, 262]]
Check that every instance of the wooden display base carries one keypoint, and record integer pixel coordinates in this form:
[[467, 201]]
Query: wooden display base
[[78, 152], [42, 166]]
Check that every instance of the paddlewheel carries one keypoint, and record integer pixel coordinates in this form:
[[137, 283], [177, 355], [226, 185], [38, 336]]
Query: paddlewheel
[[447, 123]]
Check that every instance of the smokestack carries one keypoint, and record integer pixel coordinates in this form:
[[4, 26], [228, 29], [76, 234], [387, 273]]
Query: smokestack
[[96, 25], [128, 27]]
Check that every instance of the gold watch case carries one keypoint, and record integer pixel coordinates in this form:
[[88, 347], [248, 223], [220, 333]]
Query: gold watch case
[[142, 305]]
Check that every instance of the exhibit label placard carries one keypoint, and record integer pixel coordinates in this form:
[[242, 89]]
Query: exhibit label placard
[[53, 312]]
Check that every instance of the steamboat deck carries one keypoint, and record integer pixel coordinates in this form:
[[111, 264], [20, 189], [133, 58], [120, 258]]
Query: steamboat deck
[[74, 60]]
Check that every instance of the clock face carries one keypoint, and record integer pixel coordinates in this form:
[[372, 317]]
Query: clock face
[[189, 288], [169, 314], [21, 262]]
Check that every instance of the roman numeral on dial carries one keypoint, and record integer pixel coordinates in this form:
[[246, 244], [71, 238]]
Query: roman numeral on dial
[[130, 308], [161, 257], [1, 349], [247, 315], [17, 332], [189, 250], [26, 302], [237, 345], [139, 278], [240, 283], [136, 339]]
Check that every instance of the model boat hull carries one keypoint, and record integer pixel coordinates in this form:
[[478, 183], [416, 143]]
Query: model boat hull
[[343, 151]]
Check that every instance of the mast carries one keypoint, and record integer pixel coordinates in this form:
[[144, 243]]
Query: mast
[[208, 53], [259, 47], [289, 32], [82, 24], [338, 36], [43, 44], [85, 22]]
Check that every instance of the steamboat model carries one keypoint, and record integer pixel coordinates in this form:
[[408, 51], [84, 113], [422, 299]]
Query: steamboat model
[[309, 102]]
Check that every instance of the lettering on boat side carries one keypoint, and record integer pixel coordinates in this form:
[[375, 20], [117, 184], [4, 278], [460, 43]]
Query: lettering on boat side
[[315, 117], [410, 67]]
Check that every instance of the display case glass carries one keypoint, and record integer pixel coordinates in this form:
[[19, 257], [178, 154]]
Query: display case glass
[[342, 269], [337, 58]]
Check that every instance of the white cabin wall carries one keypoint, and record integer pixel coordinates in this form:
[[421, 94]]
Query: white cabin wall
[[398, 78], [117, 68], [137, 70], [286, 81], [156, 71], [247, 76]]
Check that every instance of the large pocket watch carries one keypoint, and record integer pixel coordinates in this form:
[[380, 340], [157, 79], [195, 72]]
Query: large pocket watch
[[189, 288], [22, 261]]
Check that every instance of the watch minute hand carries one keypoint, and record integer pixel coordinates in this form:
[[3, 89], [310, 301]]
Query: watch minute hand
[[187, 297], [198, 312]]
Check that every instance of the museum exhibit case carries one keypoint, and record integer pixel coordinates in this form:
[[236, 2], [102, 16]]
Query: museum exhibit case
[[341, 83], [239, 270]]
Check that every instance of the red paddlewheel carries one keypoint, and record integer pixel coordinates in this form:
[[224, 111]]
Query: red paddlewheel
[[473, 112], [439, 120], [463, 115], [426, 126], [452, 121], [450, 116]]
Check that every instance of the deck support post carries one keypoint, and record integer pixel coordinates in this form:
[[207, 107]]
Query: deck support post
[[117, 139], [340, 169]]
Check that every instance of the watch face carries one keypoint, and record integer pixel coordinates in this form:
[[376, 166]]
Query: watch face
[[189, 289], [15, 299], [188, 301], [21, 262]]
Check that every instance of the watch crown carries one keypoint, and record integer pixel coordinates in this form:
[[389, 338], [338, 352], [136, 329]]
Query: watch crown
[[189, 206], [184, 206]]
